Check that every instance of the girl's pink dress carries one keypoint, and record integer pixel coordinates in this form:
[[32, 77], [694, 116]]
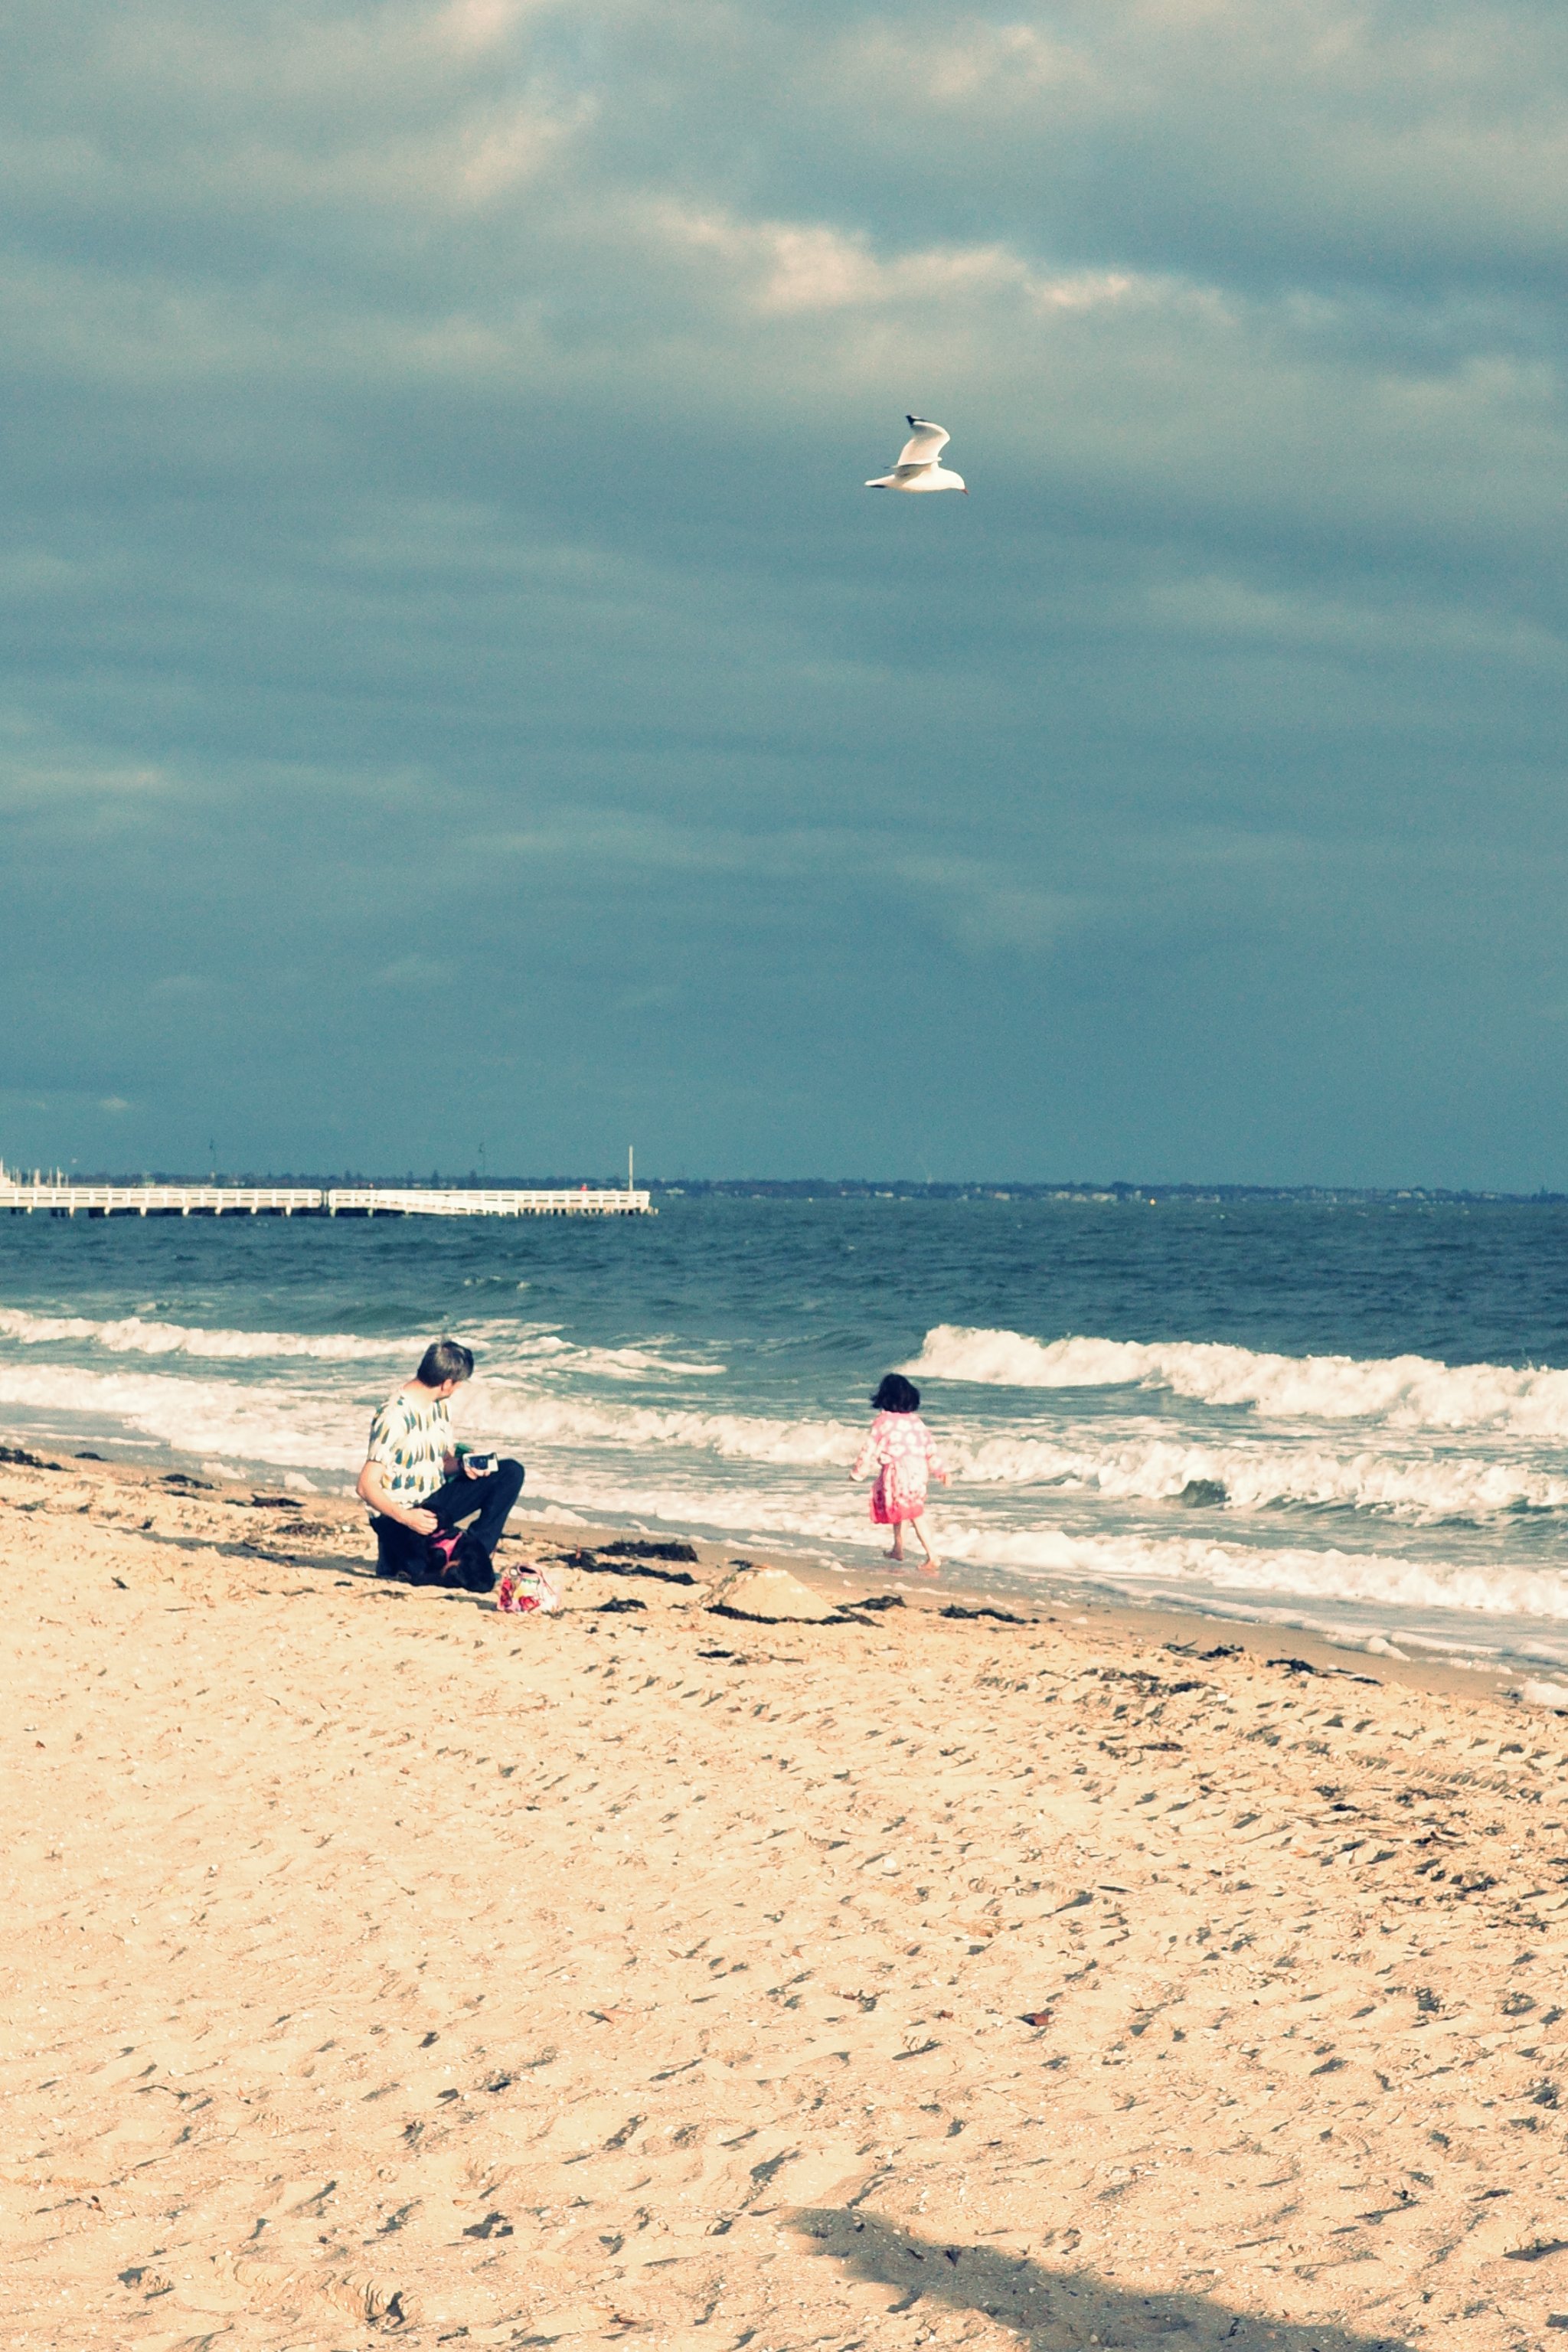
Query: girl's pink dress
[[902, 1451]]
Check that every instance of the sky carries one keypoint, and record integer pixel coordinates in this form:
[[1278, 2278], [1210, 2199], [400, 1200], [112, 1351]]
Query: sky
[[461, 708]]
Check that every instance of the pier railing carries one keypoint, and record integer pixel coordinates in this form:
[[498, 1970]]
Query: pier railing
[[420, 1200], [58, 1199]]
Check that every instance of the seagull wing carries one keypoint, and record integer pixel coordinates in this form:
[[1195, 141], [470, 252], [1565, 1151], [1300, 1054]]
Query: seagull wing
[[925, 444]]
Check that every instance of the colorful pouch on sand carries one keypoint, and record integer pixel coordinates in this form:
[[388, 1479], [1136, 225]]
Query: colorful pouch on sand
[[522, 1590]]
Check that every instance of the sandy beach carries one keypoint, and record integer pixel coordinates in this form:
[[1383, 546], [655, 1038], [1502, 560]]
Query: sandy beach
[[380, 1966]]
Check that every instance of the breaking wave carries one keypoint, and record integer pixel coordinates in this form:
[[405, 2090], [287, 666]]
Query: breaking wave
[[1423, 1489], [297, 1427], [317, 1422], [130, 1335], [539, 1346], [1405, 1392]]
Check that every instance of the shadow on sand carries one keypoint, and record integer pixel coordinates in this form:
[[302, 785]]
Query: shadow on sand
[[1055, 2310]]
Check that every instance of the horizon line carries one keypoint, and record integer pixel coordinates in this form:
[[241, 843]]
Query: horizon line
[[847, 1186]]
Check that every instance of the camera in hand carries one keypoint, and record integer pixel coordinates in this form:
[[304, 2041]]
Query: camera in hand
[[478, 1466]]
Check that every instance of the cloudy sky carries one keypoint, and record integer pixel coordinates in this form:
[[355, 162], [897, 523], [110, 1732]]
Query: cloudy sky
[[459, 698]]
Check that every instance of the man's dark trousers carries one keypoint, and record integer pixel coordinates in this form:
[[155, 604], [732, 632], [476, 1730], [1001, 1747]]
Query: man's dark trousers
[[400, 1548]]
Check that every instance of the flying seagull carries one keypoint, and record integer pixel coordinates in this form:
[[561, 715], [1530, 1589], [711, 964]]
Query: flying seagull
[[916, 468]]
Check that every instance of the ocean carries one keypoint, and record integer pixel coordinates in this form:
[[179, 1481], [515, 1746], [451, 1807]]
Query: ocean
[[1345, 1415]]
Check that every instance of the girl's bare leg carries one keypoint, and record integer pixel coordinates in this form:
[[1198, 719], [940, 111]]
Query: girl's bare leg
[[931, 1563], [898, 1550]]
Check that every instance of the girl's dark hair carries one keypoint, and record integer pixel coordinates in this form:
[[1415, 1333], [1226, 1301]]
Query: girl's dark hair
[[897, 1395]]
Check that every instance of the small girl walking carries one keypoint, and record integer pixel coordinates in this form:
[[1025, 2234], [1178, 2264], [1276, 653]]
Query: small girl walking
[[902, 1452]]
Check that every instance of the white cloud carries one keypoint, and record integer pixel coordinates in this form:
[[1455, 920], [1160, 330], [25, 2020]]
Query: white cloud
[[479, 26], [988, 909], [36, 774], [1237, 612], [785, 268], [414, 971]]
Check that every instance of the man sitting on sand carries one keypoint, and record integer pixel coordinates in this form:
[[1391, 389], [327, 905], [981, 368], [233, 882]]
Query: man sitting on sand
[[416, 1482]]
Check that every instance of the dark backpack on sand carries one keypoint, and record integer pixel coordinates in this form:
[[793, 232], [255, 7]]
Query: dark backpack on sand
[[458, 1560]]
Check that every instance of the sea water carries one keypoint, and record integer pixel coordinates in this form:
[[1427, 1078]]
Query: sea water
[[1349, 1415]]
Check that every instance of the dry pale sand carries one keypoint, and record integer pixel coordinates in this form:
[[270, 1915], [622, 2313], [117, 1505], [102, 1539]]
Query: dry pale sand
[[379, 1966]]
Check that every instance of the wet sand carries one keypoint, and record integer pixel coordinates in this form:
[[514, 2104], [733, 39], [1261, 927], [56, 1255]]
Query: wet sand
[[378, 1966]]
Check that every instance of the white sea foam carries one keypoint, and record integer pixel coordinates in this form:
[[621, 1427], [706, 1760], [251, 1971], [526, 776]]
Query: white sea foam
[[603, 1363], [537, 1346], [296, 1427], [1423, 1489], [1428, 1487], [1406, 1391], [1396, 1587], [305, 1419], [1388, 1582], [539, 1350], [763, 1478], [299, 1420], [131, 1335], [509, 1412]]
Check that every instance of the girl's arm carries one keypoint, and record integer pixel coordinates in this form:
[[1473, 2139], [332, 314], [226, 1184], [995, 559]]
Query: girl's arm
[[870, 1453], [938, 1468]]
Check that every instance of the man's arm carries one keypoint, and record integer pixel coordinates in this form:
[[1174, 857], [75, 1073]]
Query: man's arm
[[372, 1489]]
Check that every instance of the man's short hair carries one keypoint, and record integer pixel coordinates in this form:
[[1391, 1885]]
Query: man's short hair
[[444, 1359]]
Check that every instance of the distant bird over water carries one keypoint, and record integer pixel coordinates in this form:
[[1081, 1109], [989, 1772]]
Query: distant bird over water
[[916, 468]]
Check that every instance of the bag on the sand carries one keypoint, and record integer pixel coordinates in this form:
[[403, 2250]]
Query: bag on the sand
[[525, 1589], [458, 1559]]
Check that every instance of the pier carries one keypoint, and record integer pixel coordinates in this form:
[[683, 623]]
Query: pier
[[53, 1196]]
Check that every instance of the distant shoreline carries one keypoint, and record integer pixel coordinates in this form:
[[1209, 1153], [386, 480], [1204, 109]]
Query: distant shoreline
[[869, 1188]]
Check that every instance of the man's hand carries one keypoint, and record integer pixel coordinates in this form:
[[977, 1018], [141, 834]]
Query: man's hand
[[372, 1489]]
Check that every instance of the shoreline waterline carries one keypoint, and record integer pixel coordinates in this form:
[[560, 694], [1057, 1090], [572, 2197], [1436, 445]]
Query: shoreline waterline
[[1182, 1625]]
